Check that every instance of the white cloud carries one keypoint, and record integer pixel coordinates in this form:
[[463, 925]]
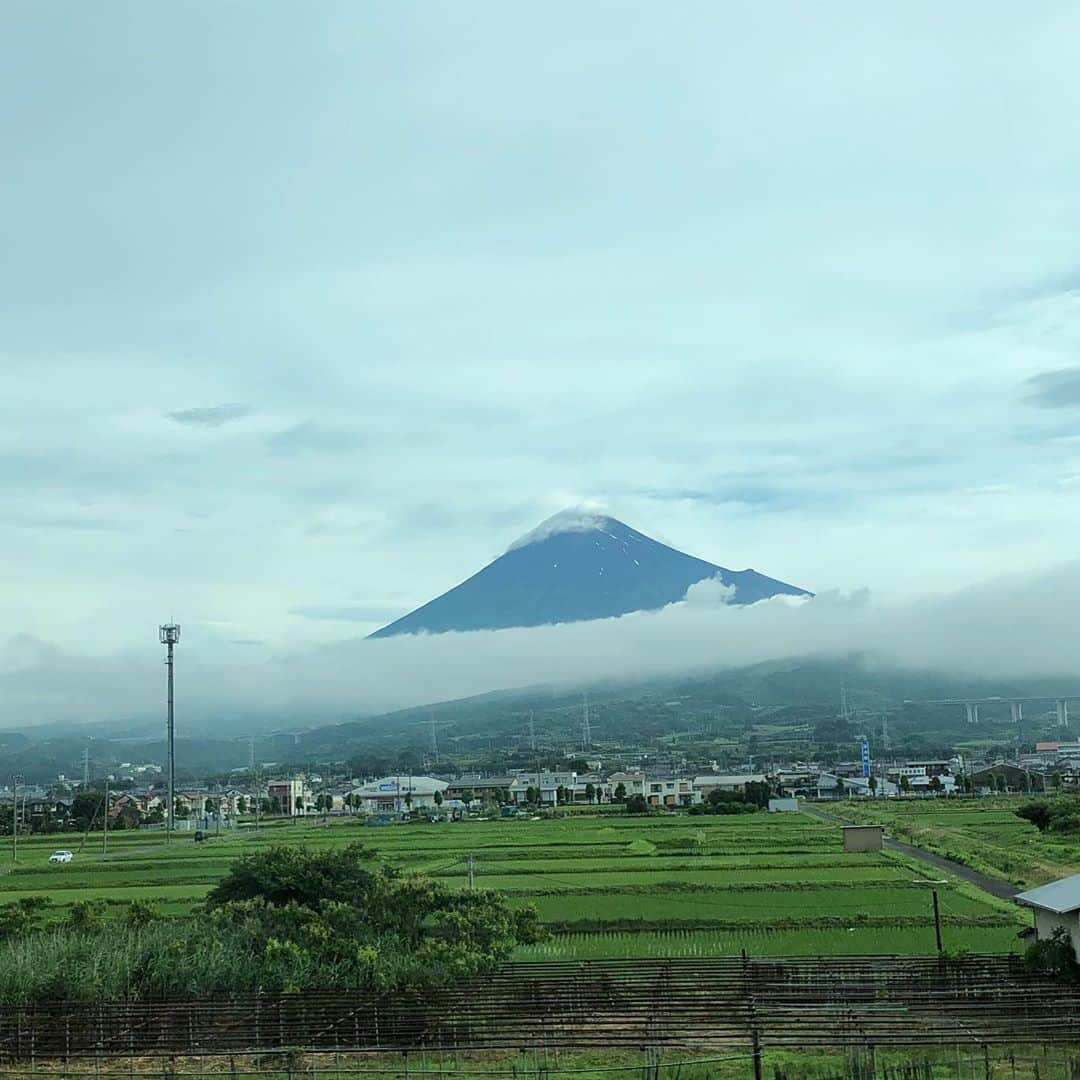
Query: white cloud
[[1014, 627]]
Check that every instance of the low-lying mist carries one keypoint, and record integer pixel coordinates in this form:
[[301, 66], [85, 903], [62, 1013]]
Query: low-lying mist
[[1016, 627]]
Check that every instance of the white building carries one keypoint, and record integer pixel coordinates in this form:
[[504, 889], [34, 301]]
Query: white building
[[718, 782], [633, 782], [548, 784], [671, 791], [398, 794], [1054, 905]]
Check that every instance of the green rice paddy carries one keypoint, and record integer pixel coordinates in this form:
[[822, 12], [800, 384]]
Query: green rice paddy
[[606, 886]]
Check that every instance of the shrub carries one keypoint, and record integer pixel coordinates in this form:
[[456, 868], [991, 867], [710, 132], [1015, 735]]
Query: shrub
[[282, 920], [1054, 956]]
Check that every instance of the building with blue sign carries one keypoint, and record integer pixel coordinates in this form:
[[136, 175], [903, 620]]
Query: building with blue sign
[[398, 794]]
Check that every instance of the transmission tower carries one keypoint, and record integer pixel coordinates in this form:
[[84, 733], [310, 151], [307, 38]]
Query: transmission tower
[[532, 732]]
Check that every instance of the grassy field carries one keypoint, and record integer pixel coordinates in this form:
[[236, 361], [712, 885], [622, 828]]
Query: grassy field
[[983, 833], [607, 886]]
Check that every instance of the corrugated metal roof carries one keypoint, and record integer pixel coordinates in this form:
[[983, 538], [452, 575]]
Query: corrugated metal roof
[[1058, 897]]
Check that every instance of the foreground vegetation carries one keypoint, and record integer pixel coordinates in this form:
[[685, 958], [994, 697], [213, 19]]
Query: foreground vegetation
[[282, 920]]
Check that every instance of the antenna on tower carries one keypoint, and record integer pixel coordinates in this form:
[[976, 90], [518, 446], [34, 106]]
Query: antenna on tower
[[434, 739], [586, 731], [532, 732], [844, 714], [169, 636], [86, 768]]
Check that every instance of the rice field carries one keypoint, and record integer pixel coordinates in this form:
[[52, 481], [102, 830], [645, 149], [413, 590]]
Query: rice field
[[983, 833], [605, 886]]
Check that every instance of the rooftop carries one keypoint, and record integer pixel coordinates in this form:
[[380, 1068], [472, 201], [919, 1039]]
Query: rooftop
[[1059, 896]]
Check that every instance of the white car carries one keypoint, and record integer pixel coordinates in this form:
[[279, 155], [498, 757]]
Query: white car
[[61, 856]]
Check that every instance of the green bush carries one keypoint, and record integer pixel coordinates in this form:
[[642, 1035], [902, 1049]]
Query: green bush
[[282, 920]]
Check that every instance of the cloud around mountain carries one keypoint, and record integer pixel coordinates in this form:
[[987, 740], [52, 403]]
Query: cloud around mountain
[[1018, 627]]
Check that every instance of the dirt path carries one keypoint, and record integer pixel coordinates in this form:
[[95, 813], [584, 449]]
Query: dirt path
[[995, 886]]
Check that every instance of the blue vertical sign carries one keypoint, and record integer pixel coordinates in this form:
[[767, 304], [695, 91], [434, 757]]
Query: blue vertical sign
[[866, 759]]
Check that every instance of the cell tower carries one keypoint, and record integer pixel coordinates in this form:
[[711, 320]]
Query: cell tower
[[532, 732], [251, 752], [586, 731], [86, 768], [169, 636], [844, 712]]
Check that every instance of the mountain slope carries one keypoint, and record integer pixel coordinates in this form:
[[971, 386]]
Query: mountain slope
[[573, 568]]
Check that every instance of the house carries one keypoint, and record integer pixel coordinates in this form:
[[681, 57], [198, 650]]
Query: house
[[398, 794], [703, 785], [633, 782], [1054, 905], [671, 791], [482, 787], [287, 795], [547, 783]]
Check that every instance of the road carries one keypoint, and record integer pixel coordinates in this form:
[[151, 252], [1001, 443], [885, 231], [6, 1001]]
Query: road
[[995, 886]]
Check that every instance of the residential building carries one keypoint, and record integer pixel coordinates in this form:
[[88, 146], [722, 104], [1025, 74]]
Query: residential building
[[548, 784], [287, 796], [671, 791], [1054, 905]]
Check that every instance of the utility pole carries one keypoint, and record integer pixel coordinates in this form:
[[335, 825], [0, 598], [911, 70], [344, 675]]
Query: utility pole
[[470, 862], [105, 820], [169, 636], [937, 921], [16, 780], [532, 733]]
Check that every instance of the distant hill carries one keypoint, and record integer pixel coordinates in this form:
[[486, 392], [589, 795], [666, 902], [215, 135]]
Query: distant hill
[[576, 567]]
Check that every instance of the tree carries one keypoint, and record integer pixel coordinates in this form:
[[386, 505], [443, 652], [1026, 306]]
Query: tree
[[438, 798], [840, 785], [590, 793], [620, 792], [284, 875], [905, 785], [873, 785], [532, 795], [467, 795], [1037, 812], [408, 800], [208, 806], [637, 804], [241, 805], [936, 785]]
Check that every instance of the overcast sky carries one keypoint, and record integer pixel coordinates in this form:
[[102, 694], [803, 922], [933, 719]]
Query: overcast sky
[[314, 309]]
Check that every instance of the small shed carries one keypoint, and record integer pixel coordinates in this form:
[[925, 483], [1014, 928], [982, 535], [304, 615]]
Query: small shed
[[863, 837], [781, 805], [1054, 905]]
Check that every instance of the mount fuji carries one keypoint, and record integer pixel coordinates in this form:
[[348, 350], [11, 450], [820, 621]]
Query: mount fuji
[[573, 567]]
